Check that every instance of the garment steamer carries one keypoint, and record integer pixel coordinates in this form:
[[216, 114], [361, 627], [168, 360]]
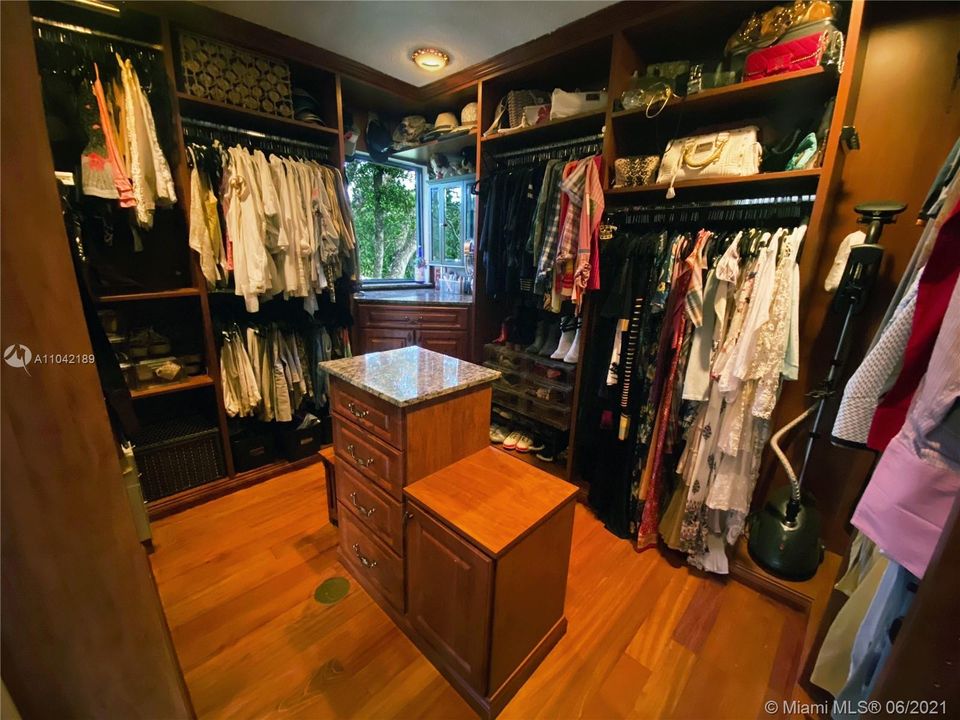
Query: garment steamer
[[785, 534]]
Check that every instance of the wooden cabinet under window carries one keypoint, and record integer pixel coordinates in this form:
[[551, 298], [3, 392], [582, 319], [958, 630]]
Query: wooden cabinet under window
[[441, 328]]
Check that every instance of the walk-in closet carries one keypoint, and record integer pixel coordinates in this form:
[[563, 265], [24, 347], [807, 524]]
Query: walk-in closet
[[447, 360]]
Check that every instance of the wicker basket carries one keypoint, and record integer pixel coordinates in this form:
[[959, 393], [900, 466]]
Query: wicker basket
[[213, 70], [177, 455]]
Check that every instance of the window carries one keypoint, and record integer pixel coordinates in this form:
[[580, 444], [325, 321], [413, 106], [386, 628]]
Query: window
[[452, 209], [385, 198]]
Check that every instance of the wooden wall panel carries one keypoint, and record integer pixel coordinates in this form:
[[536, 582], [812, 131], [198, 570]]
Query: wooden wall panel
[[83, 633], [907, 113]]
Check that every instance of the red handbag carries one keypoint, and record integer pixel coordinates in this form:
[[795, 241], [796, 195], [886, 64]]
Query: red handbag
[[800, 54]]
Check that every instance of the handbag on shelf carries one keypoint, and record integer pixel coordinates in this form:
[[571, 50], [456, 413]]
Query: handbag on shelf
[[633, 171], [780, 24], [730, 153], [648, 96], [564, 104], [511, 108], [822, 48]]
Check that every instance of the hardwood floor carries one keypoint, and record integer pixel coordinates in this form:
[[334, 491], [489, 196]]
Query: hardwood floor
[[645, 640]]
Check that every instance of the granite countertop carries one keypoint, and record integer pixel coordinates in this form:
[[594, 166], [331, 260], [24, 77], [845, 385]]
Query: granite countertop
[[409, 375], [416, 296]]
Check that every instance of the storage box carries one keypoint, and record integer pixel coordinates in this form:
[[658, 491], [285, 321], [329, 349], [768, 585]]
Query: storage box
[[253, 448], [294, 444], [159, 371], [176, 455]]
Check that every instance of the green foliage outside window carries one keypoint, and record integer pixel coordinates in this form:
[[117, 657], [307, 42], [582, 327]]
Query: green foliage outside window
[[384, 202]]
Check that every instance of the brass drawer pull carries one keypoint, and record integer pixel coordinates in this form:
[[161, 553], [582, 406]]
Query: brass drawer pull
[[367, 512], [365, 561], [351, 448], [359, 413]]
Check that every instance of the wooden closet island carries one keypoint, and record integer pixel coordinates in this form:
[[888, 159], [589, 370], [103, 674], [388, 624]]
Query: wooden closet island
[[466, 548]]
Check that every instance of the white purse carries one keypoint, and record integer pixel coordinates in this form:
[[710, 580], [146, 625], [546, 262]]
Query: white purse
[[564, 104], [731, 153]]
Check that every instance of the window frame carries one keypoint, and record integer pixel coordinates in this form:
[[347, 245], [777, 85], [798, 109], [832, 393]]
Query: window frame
[[421, 242], [466, 183]]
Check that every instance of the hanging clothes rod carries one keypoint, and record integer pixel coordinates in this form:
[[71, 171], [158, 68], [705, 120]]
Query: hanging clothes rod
[[712, 204], [218, 127], [79, 29], [587, 140]]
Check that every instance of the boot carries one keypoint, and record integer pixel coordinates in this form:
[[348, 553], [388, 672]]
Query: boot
[[553, 339], [541, 337], [568, 326], [573, 354]]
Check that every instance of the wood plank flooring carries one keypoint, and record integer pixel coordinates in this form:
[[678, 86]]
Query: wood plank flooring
[[646, 639]]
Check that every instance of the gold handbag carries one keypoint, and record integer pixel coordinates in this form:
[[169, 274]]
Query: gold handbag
[[638, 170]]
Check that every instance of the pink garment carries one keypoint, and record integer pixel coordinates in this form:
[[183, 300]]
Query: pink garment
[[120, 180], [917, 481], [586, 271]]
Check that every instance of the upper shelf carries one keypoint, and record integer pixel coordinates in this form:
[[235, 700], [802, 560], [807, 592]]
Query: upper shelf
[[566, 128], [214, 111], [152, 295], [790, 182], [449, 146], [746, 95]]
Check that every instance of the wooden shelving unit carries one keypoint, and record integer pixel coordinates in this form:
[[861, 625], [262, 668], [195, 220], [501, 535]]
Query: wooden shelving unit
[[754, 93], [448, 145], [190, 383], [545, 132], [205, 109], [789, 182], [158, 295]]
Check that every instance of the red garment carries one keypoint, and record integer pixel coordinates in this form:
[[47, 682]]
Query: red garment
[[936, 283], [668, 359]]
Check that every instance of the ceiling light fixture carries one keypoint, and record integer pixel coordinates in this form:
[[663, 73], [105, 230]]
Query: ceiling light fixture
[[430, 59]]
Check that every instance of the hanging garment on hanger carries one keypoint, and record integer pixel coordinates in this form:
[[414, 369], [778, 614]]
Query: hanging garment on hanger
[[124, 189], [916, 483], [937, 282]]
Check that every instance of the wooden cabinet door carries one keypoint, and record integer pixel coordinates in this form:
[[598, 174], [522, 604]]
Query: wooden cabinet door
[[448, 342], [448, 596], [379, 339]]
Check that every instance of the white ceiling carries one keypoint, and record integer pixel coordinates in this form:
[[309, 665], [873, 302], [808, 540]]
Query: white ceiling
[[383, 34]]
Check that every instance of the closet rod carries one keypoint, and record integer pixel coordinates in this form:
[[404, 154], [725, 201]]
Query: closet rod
[[96, 33], [710, 204], [187, 121], [552, 146]]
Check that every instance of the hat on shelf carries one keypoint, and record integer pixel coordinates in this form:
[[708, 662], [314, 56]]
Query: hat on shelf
[[410, 131], [305, 107], [468, 116], [446, 125], [378, 138]]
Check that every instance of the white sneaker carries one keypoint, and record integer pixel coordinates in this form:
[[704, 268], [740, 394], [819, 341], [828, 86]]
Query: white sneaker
[[497, 434], [524, 443], [510, 443], [573, 354]]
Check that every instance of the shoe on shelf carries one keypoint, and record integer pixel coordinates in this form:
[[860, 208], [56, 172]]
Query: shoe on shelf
[[573, 354], [541, 338], [568, 328], [553, 340], [536, 445], [497, 434], [524, 443], [510, 442], [546, 454]]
